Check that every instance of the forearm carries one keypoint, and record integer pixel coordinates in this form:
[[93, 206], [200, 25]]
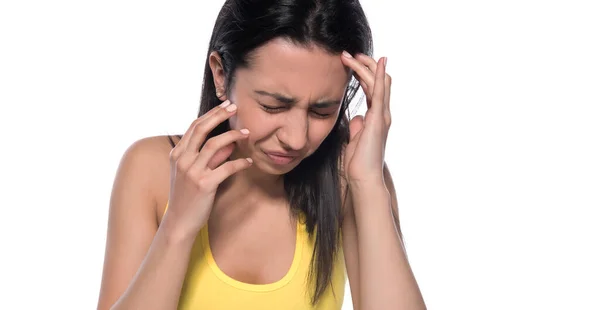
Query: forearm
[[158, 282], [387, 281]]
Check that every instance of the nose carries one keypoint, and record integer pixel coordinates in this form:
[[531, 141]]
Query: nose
[[293, 133]]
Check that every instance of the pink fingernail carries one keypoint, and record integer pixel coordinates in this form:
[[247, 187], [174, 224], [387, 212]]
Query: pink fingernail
[[385, 61], [346, 54], [225, 103], [245, 131], [231, 108]]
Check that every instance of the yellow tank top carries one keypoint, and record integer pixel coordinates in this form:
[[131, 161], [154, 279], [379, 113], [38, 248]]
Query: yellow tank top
[[207, 287]]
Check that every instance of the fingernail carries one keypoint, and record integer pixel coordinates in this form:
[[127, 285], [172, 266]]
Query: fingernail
[[385, 61], [225, 103], [245, 131], [249, 159], [346, 54], [231, 108]]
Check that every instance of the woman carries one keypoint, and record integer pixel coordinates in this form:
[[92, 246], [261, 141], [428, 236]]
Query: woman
[[271, 196]]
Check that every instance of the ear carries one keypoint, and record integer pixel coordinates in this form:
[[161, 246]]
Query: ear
[[214, 61]]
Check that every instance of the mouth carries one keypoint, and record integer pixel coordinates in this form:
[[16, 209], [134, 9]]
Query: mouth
[[279, 159]]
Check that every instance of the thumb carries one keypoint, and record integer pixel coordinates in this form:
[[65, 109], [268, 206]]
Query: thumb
[[356, 125]]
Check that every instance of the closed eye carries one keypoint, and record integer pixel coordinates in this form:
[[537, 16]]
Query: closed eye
[[277, 109], [271, 109]]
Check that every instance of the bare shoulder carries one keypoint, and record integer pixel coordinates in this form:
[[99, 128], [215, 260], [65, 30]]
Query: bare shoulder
[[150, 156], [140, 185]]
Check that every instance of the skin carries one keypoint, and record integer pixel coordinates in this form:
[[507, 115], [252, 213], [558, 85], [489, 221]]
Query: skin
[[316, 81], [145, 259], [386, 280], [311, 77]]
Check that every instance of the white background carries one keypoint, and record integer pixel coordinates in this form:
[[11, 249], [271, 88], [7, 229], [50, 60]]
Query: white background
[[494, 148]]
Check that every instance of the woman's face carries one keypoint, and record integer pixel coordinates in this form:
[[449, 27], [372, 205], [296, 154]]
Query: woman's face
[[289, 99]]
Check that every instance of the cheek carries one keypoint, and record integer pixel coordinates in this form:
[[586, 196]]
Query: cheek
[[318, 132], [243, 118], [256, 121]]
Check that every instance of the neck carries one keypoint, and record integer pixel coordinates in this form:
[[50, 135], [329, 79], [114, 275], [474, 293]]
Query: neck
[[256, 183], [250, 188]]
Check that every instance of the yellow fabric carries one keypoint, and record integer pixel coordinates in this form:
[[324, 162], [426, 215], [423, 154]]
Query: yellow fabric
[[207, 287]]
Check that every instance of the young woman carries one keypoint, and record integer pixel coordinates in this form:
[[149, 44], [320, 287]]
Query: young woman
[[271, 196]]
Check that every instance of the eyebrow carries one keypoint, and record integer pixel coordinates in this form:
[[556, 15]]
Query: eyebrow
[[290, 101]]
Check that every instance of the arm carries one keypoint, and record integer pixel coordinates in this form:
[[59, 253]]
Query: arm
[[389, 185], [144, 265], [381, 278]]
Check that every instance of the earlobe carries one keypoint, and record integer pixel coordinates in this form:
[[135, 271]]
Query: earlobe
[[216, 67]]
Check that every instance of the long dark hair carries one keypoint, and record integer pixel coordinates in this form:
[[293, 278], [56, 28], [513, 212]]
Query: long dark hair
[[314, 186]]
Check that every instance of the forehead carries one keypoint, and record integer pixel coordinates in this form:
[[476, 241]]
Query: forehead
[[303, 72]]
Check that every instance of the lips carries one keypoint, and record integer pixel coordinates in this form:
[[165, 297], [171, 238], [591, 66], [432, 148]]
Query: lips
[[282, 154], [281, 158]]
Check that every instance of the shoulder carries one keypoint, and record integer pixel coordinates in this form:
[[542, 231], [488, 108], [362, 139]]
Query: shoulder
[[151, 148], [148, 161], [148, 152]]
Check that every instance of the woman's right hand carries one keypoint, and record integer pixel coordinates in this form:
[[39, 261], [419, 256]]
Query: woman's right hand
[[196, 175]]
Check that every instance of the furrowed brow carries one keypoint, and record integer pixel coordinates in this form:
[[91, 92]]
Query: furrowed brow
[[290, 100]]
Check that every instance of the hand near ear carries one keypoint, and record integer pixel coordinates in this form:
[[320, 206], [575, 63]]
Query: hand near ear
[[364, 154]]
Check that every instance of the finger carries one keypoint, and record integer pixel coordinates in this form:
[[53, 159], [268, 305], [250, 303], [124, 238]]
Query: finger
[[204, 127], [228, 169], [368, 61], [388, 90], [363, 84], [183, 142], [356, 125], [356, 129], [359, 69], [220, 156], [366, 90], [214, 144], [372, 65], [379, 87]]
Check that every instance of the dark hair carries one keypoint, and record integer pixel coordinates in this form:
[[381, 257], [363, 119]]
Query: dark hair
[[313, 187]]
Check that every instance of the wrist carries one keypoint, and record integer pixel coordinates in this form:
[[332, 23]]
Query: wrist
[[373, 192], [175, 233], [367, 180], [366, 184]]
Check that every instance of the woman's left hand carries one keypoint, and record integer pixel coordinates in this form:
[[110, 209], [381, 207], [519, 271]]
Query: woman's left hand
[[364, 154]]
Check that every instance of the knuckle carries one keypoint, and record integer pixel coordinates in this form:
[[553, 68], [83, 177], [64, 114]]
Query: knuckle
[[203, 184], [180, 165], [174, 154], [199, 126], [194, 125], [190, 176], [210, 143]]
